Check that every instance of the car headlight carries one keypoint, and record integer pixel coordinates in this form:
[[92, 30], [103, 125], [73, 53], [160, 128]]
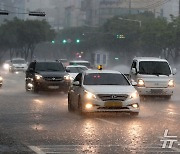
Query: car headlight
[[134, 95], [38, 76], [140, 83], [67, 77], [89, 95], [1, 78], [171, 83], [6, 66]]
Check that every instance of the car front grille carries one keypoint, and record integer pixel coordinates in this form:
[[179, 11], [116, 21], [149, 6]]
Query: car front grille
[[113, 97], [106, 108], [53, 78]]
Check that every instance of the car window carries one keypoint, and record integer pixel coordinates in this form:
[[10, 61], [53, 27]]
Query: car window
[[49, 66], [18, 61], [134, 64], [80, 63], [31, 66], [154, 68], [105, 79], [79, 78], [76, 69]]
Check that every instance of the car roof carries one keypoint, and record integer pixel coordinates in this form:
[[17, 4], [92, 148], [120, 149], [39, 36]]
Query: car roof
[[18, 59], [48, 61], [79, 61], [102, 71], [149, 59], [76, 66]]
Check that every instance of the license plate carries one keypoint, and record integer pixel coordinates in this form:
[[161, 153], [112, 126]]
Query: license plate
[[156, 91], [53, 87], [113, 104]]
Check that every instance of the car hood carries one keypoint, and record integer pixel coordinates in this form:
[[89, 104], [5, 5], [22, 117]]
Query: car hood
[[52, 74], [106, 89]]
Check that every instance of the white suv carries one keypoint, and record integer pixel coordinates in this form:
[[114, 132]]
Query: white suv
[[18, 64], [154, 76]]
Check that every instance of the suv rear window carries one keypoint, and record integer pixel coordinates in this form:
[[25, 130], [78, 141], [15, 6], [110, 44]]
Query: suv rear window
[[49, 67]]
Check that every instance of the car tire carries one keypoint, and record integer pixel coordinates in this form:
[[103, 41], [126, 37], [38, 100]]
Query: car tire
[[35, 88], [80, 108], [134, 114], [70, 108], [0, 85], [26, 87], [168, 97]]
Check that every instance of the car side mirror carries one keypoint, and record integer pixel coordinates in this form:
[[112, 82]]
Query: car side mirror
[[68, 70], [174, 71], [134, 83], [76, 83], [133, 71]]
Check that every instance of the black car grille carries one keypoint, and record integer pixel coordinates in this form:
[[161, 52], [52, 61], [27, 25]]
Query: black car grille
[[113, 97], [53, 78]]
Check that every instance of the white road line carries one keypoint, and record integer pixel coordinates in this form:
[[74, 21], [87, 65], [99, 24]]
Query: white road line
[[171, 113], [47, 149], [36, 150], [109, 122]]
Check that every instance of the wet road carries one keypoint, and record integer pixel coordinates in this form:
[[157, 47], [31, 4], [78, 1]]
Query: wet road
[[40, 123]]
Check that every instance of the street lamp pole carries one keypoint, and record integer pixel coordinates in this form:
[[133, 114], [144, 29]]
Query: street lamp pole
[[139, 21]]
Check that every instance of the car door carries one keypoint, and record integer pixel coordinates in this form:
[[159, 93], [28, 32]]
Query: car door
[[133, 76], [30, 72], [77, 89]]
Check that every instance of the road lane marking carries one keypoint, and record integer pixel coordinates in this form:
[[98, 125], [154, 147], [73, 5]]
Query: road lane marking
[[171, 113], [45, 149], [36, 150], [106, 121]]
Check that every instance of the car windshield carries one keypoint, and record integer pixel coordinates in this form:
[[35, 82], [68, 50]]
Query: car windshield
[[18, 61], [76, 69], [154, 68], [80, 63], [49, 67], [105, 79]]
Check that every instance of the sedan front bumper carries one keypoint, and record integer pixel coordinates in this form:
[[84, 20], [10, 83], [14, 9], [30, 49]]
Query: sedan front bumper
[[117, 106]]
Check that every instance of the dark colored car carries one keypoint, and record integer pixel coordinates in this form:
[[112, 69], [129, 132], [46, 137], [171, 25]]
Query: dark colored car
[[46, 76]]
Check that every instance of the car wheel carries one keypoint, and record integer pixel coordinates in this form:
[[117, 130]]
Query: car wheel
[[134, 113], [0, 85], [168, 97], [70, 108], [35, 88], [80, 108], [26, 87]]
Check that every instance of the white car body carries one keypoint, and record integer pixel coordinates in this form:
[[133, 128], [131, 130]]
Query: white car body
[[106, 98], [80, 62], [153, 84], [20, 66], [74, 74]]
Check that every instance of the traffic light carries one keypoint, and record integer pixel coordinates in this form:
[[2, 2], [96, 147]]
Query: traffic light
[[52, 41], [120, 36], [77, 41], [4, 12], [41, 14], [64, 41]]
